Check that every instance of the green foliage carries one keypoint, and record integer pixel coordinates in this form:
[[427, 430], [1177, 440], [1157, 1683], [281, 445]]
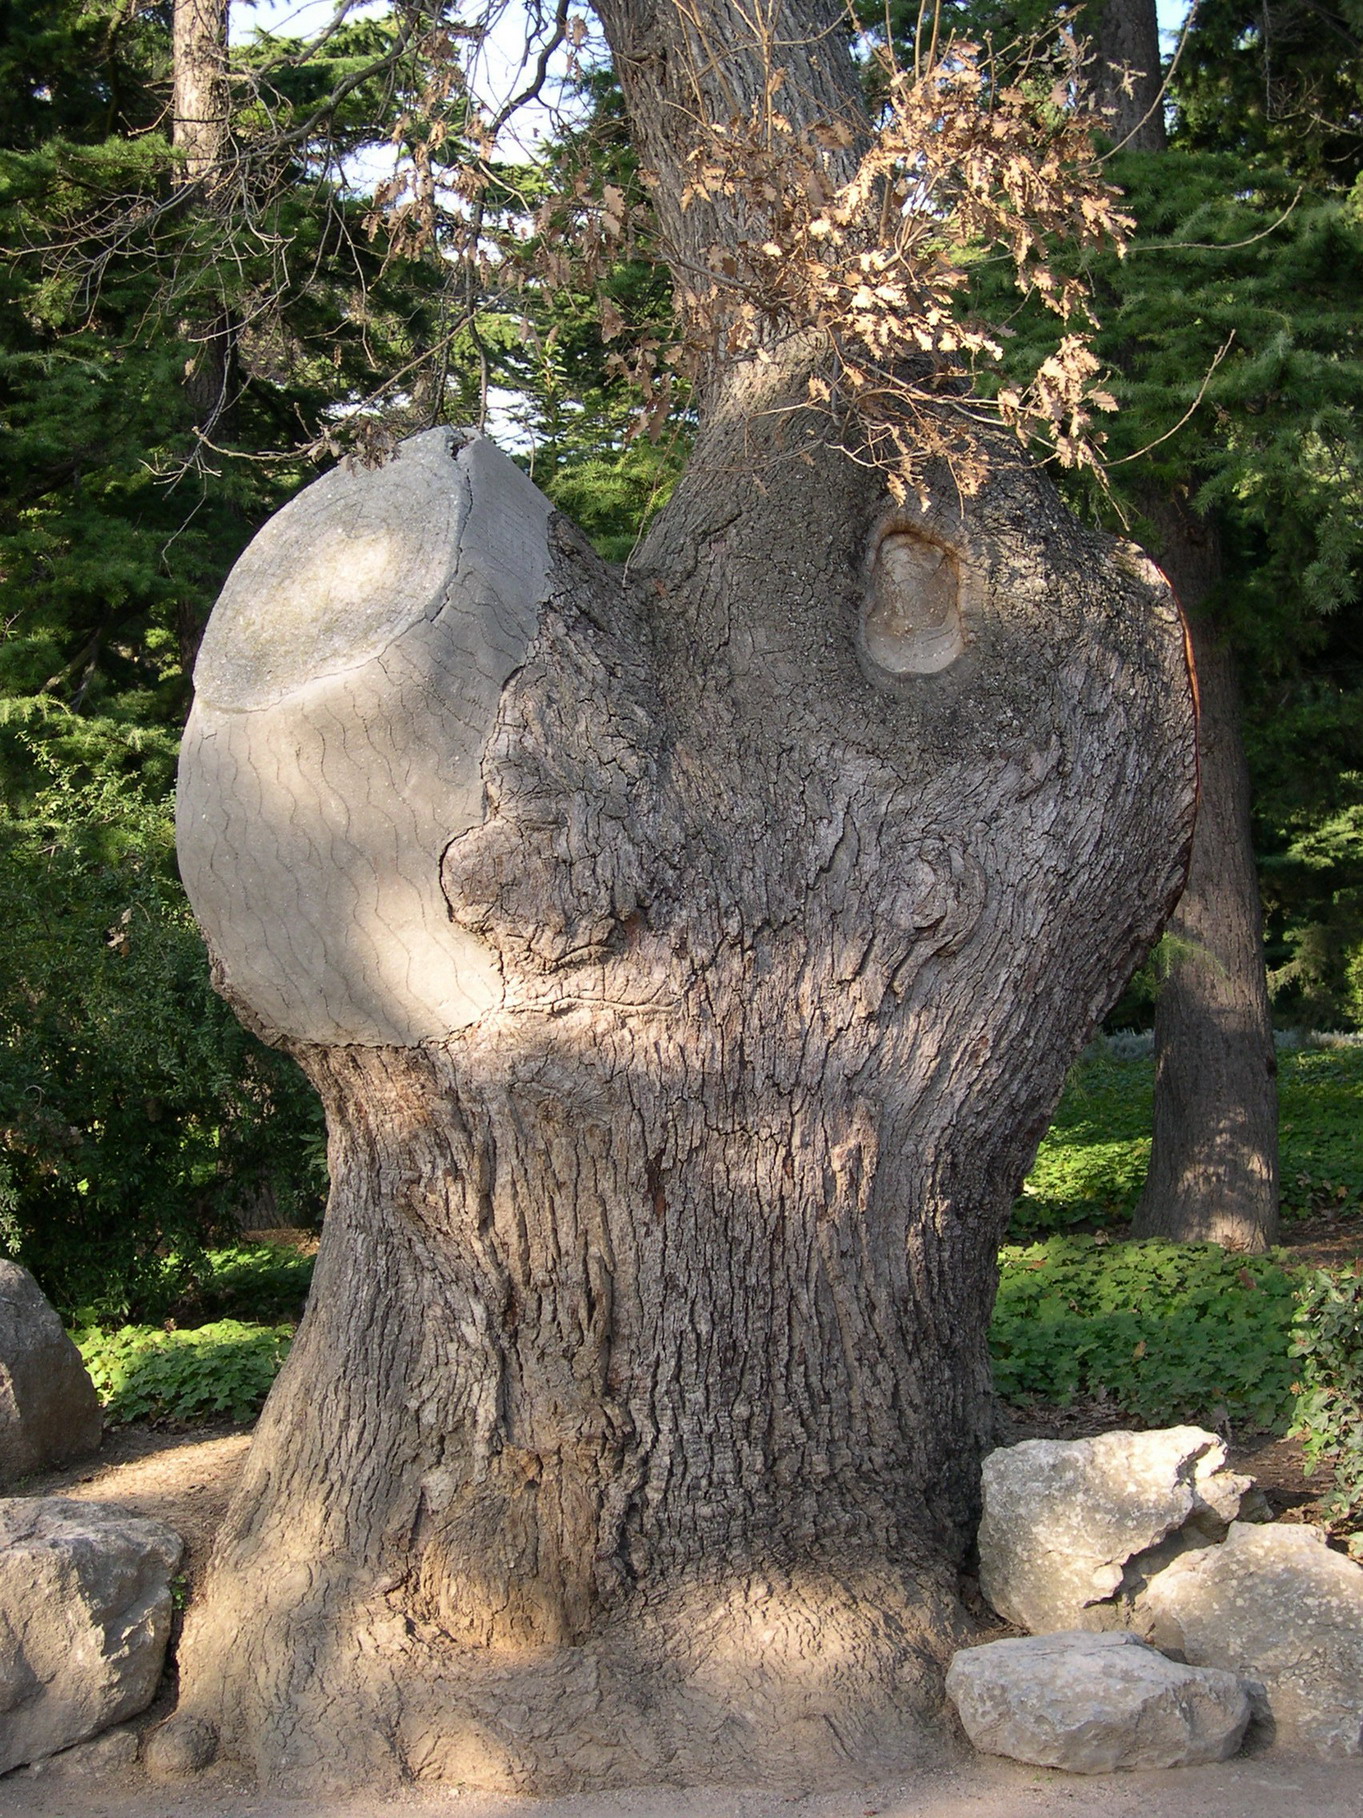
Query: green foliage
[[1320, 1093], [1280, 79], [259, 1282], [1328, 1338], [1092, 1162], [1091, 1165], [136, 1114], [219, 1371], [1166, 1332]]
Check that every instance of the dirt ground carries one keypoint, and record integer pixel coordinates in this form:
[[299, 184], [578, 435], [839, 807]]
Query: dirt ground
[[1249, 1787], [186, 1479]]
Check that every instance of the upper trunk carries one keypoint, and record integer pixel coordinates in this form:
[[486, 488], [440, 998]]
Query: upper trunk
[[199, 104], [200, 132], [690, 960], [1127, 80]]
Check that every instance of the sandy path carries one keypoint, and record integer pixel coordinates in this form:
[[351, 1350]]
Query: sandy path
[[1265, 1787]]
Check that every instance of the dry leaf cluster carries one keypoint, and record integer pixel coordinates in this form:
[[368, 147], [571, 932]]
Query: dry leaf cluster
[[959, 166]]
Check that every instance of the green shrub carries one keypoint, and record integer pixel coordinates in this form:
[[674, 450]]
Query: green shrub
[[260, 1282], [137, 1115], [221, 1371], [1327, 1336], [1320, 1116], [1167, 1332]]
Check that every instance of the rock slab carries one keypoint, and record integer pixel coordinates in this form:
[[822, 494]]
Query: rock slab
[[1064, 1518], [85, 1612], [49, 1413], [1276, 1605], [1090, 1703]]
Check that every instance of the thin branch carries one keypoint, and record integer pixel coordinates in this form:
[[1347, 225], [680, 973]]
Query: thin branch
[[1201, 393]]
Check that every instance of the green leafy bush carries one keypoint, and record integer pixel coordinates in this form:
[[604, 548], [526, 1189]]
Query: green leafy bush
[[137, 1116], [1167, 1332], [219, 1371], [1327, 1336], [1320, 1121], [260, 1282]]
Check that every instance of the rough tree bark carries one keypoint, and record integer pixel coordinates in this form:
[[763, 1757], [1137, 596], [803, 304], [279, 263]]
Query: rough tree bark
[[200, 132], [1213, 1173], [199, 103], [689, 960], [200, 129]]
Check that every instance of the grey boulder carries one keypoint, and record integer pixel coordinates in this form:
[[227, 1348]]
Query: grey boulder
[[1091, 1703], [1275, 1604], [49, 1413], [85, 1613], [1064, 1519]]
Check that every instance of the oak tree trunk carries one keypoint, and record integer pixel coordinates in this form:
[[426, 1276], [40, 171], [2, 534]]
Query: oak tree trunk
[[689, 960], [1213, 1174]]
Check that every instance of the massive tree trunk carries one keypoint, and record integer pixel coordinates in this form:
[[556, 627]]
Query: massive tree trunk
[[1214, 1157], [1214, 1160], [689, 959]]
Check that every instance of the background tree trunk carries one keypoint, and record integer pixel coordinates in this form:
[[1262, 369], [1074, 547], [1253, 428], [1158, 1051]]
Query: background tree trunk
[[1214, 1157], [200, 130], [689, 975], [1213, 1174], [1128, 76], [200, 100]]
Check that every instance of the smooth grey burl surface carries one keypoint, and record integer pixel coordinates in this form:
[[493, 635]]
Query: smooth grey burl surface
[[348, 681]]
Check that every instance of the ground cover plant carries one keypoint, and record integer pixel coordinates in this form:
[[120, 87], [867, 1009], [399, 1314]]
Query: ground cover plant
[[1164, 1332], [1328, 1340], [1091, 1165], [221, 1371], [244, 1301]]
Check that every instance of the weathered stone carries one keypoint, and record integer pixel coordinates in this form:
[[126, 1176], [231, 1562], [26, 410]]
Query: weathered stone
[[115, 1752], [1089, 1703], [1275, 1605], [182, 1746], [49, 1412], [85, 1612], [1064, 1518]]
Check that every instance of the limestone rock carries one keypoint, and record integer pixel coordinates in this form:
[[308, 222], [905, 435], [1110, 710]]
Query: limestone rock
[[85, 1612], [115, 1752], [1276, 1605], [49, 1412], [1089, 1703], [1063, 1518], [183, 1745]]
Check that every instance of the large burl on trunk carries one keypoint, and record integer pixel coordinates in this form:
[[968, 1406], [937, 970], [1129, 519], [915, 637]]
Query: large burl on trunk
[[689, 959]]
